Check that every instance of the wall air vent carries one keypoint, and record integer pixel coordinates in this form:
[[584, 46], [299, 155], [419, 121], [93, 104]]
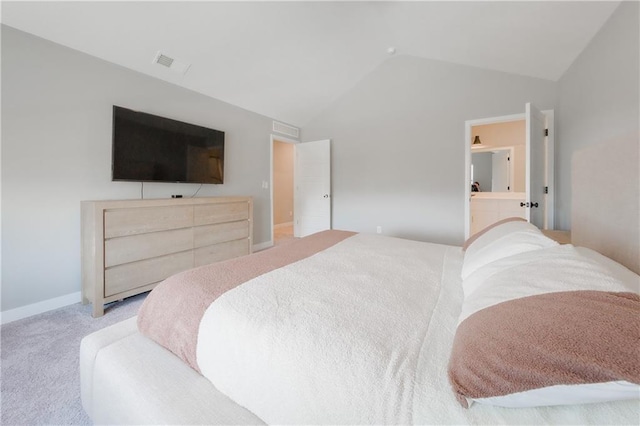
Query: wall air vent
[[285, 129], [172, 64]]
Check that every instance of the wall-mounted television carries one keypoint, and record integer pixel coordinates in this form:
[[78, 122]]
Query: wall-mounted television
[[148, 148]]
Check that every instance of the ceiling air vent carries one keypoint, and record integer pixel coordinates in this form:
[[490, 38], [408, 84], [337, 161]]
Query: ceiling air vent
[[164, 60], [172, 64], [285, 129]]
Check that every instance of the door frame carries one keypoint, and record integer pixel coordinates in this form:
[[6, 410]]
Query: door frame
[[549, 168], [278, 138]]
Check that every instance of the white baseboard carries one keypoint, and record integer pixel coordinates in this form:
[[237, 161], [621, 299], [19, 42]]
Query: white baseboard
[[262, 246], [39, 308]]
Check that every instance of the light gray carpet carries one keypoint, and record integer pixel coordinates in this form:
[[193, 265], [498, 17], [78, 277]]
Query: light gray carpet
[[40, 375]]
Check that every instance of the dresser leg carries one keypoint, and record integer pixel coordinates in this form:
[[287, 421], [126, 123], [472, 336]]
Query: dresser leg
[[98, 310]]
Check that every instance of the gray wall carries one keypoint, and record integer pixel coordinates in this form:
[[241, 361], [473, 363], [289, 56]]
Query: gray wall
[[598, 99], [56, 151], [398, 143]]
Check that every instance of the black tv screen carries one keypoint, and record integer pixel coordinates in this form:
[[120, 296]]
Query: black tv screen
[[148, 148]]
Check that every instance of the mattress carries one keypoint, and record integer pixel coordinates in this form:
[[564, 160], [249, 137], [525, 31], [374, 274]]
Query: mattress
[[129, 379]]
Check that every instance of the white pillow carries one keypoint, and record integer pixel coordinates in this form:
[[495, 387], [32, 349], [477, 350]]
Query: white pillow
[[587, 393], [554, 269], [502, 241]]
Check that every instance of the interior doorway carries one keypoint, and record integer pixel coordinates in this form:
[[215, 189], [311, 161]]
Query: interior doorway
[[282, 189], [301, 204], [522, 145]]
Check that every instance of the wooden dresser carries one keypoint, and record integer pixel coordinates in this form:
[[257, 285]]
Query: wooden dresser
[[129, 246]]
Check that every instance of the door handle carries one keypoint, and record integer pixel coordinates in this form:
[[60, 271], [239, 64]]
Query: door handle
[[531, 205], [326, 196]]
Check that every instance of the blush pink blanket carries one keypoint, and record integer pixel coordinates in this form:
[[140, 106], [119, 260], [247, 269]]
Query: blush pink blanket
[[533, 342], [171, 313]]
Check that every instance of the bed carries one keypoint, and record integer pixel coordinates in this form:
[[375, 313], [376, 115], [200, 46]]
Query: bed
[[345, 328]]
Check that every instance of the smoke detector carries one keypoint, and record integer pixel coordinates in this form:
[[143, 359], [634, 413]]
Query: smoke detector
[[171, 63]]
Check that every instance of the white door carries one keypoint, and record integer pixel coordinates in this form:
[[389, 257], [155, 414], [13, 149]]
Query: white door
[[535, 166], [312, 196]]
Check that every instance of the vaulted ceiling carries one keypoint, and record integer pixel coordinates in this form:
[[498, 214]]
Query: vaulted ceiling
[[291, 60]]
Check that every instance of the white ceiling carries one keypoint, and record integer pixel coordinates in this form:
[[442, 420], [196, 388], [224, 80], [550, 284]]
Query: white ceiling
[[291, 60]]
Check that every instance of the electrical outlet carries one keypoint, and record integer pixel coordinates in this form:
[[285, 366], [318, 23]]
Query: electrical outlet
[[379, 229]]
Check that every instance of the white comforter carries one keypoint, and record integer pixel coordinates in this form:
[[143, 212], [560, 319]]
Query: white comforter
[[334, 338], [357, 334]]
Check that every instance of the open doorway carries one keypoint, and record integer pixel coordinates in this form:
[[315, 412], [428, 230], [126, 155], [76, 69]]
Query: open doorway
[[497, 172], [282, 186], [517, 180], [300, 188]]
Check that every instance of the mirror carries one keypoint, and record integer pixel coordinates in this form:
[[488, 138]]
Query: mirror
[[492, 170], [497, 169], [499, 142]]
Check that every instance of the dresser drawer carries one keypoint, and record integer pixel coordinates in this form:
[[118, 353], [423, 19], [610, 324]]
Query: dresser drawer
[[218, 252], [207, 235], [126, 277], [118, 251], [218, 213], [123, 222]]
